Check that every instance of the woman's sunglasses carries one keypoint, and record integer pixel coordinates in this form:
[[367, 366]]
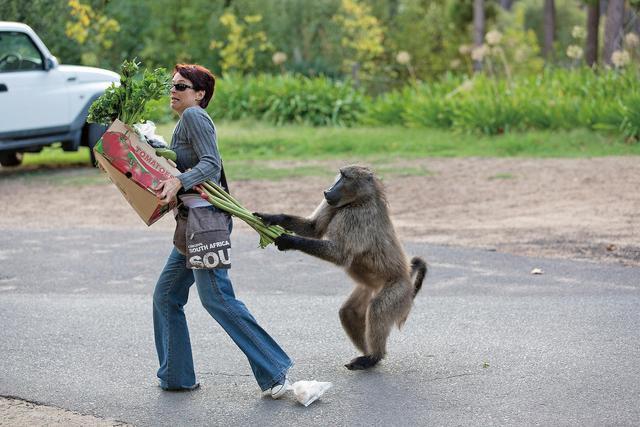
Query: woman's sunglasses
[[181, 87]]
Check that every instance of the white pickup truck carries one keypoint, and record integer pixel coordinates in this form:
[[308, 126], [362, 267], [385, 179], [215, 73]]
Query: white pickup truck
[[42, 102]]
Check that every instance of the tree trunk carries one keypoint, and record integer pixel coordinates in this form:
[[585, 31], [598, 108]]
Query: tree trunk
[[613, 32], [506, 4], [355, 74], [394, 6], [593, 24], [549, 29], [478, 28]]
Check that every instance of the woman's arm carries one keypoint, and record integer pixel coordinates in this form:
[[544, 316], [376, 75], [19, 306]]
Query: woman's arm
[[202, 136]]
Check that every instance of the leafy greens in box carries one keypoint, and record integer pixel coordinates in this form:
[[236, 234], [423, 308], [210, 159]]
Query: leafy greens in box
[[127, 101]]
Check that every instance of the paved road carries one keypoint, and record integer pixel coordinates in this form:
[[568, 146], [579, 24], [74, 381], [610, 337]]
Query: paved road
[[487, 343]]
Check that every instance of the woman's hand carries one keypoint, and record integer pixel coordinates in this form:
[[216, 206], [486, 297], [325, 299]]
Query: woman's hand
[[168, 190]]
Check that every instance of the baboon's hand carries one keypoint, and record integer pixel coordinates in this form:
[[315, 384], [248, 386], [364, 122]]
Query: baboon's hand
[[285, 242], [269, 219]]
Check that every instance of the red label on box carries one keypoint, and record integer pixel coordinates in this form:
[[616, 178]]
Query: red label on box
[[136, 170], [128, 158]]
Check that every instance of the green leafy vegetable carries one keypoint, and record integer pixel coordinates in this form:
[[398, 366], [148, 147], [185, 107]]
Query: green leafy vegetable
[[127, 100], [219, 198]]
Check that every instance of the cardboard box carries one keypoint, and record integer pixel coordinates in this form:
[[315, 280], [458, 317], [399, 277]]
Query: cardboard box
[[132, 165]]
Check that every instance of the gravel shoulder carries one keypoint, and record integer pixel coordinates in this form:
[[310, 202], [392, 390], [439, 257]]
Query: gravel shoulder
[[586, 209]]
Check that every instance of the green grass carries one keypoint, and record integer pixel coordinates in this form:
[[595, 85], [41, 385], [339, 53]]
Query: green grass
[[251, 169], [501, 176], [246, 145], [54, 156], [257, 141], [61, 176]]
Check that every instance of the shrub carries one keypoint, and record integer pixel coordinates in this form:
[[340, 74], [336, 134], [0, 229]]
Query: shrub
[[554, 99], [288, 99]]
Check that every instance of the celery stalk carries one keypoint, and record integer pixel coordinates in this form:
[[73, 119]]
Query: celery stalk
[[222, 200]]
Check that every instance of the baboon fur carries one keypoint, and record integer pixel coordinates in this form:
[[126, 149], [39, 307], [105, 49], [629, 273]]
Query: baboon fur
[[351, 228]]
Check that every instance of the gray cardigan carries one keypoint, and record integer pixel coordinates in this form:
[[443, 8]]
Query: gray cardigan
[[195, 143]]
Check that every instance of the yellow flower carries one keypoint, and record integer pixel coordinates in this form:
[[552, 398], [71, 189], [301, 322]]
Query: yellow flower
[[252, 19]]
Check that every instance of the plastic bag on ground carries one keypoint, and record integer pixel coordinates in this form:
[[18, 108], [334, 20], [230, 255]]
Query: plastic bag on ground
[[307, 392]]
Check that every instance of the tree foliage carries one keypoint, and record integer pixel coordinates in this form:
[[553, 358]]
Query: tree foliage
[[339, 39], [362, 37], [91, 29], [238, 51]]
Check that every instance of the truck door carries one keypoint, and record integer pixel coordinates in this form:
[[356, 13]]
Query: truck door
[[30, 97]]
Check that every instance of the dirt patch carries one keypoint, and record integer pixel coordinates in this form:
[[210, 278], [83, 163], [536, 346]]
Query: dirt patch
[[16, 412], [567, 208]]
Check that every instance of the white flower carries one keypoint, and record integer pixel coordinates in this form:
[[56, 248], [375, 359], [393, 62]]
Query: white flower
[[574, 52], [279, 58], [493, 37], [403, 57], [464, 49], [620, 58], [521, 55], [631, 40], [496, 50], [454, 64], [478, 53], [578, 32], [466, 86]]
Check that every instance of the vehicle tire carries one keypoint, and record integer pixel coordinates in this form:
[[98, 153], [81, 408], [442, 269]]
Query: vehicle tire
[[10, 158], [91, 133]]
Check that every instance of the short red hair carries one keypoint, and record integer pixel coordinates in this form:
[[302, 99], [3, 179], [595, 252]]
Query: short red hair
[[202, 79]]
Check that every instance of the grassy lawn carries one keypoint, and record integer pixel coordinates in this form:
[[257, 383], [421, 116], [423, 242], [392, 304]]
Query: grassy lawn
[[54, 156], [245, 144], [254, 141]]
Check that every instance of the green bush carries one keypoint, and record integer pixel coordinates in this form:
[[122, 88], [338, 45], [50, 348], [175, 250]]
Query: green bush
[[630, 123], [554, 99], [388, 108], [288, 99]]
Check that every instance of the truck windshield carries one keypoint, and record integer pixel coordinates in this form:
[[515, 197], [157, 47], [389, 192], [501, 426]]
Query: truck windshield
[[18, 53]]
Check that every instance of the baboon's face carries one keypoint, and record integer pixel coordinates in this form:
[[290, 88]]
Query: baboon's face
[[353, 183]]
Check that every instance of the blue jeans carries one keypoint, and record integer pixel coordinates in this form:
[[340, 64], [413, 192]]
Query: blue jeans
[[268, 361]]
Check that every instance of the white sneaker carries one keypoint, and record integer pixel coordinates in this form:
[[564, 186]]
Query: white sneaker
[[278, 390]]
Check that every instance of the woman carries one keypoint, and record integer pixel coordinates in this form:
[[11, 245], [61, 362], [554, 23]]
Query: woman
[[194, 141]]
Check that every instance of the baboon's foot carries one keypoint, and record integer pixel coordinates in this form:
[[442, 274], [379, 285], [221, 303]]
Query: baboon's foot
[[362, 362]]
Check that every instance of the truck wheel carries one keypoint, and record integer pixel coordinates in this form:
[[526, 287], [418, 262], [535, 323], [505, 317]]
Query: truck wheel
[[10, 158], [92, 132]]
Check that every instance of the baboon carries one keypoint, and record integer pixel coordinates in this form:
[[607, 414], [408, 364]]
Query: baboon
[[358, 235]]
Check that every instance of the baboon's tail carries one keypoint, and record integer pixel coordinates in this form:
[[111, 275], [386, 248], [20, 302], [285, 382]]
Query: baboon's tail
[[418, 273]]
